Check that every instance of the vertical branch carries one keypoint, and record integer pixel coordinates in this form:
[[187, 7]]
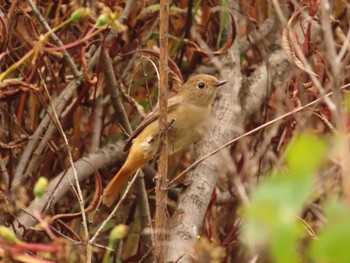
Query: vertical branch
[[145, 219], [335, 66], [332, 59], [227, 122], [78, 190], [161, 183], [112, 85], [123, 120]]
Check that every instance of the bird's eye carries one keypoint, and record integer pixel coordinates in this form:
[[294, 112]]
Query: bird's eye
[[201, 85]]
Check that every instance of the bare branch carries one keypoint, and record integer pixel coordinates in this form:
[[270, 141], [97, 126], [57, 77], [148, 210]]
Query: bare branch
[[161, 182], [106, 157]]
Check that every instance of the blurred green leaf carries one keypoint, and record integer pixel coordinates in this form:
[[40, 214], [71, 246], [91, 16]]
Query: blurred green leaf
[[224, 17], [332, 245], [271, 217], [8, 235], [110, 224], [40, 187], [306, 153], [118, 232], [347, 102], [283, 242]]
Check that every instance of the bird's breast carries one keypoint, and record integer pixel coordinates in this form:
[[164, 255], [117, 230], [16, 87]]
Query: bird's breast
[[189, 123], [186, 124]]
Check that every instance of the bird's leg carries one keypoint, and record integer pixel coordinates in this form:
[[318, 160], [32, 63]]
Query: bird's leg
[[168, 127], [169, 124], [182, 186]]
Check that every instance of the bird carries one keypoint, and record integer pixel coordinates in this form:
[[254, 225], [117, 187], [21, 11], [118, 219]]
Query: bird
[[189, 112]]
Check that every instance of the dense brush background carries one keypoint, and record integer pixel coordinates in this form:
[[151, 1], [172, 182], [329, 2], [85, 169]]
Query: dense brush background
[[282, 192]]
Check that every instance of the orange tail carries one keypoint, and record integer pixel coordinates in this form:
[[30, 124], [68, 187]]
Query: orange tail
[[115, 186], [134, 162]]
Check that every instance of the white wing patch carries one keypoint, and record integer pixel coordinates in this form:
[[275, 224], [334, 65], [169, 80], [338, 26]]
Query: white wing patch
[[146, 146]]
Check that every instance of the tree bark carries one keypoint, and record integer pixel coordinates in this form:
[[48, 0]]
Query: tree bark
[[232, 106]]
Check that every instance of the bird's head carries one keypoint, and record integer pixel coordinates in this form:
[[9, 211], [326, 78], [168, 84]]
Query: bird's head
[[201, 89]]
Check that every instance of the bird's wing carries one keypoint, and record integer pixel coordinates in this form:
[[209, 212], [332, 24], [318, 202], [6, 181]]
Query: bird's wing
[[153, 116]]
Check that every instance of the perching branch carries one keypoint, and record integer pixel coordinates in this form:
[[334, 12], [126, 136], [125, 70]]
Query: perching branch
[[161, 182]]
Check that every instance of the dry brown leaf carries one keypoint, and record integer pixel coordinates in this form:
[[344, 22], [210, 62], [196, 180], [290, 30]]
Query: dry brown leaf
[[287, 44]]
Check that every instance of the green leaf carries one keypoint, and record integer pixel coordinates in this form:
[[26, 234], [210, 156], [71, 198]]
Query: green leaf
[[283, 243], [332, 245], [306, 153], [271, 218], [224, 17], [8, 235], [118, 232], [347, 102], [40, 187], [79, 14]]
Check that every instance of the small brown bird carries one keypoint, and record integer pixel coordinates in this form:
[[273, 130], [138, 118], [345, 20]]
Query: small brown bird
[[189, 108]]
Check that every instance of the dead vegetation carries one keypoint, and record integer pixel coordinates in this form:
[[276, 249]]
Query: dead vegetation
[[77, 76]]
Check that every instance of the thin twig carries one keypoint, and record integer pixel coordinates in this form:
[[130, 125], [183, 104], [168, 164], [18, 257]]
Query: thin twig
[[332, 59], [75, 174], [345, 48], [104, 223], [251, 132], [134, 103], [156, 69], [112, 85], [5, 178], [123, 120], [127, 9], [105, 157], [98, 123], [55, 38], [59, 104], [145, 216], [309, 70]]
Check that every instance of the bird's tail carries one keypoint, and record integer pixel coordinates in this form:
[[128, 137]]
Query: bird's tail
[[115, 186], [134, 162]]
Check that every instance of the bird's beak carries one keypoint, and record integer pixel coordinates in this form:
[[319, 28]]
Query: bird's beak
[[220, 83]]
